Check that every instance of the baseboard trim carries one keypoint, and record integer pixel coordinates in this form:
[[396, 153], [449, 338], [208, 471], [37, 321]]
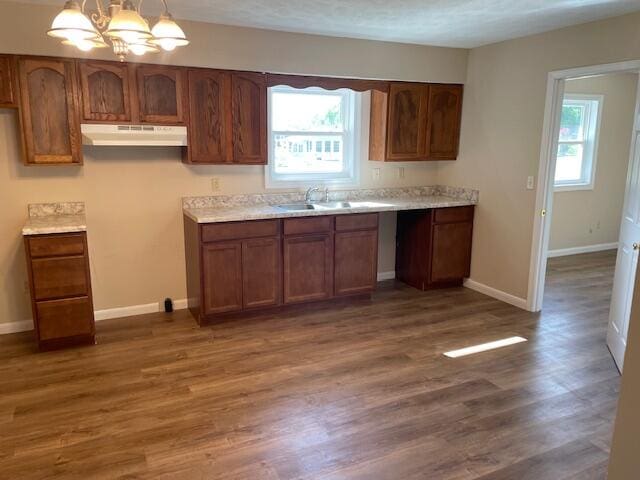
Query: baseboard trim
[[564, 252], [497, 294], [386, 276], [100, 315]]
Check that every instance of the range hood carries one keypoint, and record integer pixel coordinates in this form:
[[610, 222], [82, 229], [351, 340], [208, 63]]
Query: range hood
[[133, 135]]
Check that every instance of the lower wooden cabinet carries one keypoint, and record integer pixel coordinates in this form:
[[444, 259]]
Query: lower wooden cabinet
[[222, 277], [261, 272], [308, 267], [60, 284], [433, 247], [242, 266], [356, 262]]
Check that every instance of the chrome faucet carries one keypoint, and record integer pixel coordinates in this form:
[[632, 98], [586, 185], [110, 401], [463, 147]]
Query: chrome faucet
[[307, 196]]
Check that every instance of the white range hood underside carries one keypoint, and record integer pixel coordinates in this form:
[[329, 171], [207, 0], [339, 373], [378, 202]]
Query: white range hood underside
[[133, 135]]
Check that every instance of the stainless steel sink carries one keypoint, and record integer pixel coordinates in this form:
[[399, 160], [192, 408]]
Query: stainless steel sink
[[298, 207]]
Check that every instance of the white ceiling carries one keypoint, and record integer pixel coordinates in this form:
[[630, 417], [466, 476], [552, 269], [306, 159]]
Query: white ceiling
[[452, 23]]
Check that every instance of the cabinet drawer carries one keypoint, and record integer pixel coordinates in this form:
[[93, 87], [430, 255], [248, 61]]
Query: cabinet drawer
[[214, 232], [63, 245], [59, 277], [300, 226], [453, 214], [64, 318], [362, 221]]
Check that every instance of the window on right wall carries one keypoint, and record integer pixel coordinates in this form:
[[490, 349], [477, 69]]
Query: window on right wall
[[578, 142]]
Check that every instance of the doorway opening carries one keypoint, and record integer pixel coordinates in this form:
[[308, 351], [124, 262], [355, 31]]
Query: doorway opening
[[588, 204]]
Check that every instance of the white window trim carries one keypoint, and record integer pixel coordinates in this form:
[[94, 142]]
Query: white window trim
[[591, 148], [351, 178]]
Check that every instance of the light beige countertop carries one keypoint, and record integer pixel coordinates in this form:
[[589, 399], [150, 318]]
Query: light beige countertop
[[47, 218], [264, 206]]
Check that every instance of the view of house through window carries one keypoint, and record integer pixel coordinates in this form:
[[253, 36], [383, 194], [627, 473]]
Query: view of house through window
[[312, 136], [577, 143]]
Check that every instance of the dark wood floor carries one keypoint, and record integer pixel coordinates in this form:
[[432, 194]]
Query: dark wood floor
[[352, 392]]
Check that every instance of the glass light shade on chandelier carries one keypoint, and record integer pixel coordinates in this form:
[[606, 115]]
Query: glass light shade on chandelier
[[122, 26]]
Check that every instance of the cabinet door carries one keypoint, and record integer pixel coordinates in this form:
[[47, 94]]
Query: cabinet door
[[451, 252], [106, 92], [209, 104], [308, 268], [445, 111], [222, 272], [261, 277], [249, 118], [407, 124], [356, 261], [7, 78], [161, 94], [48, 113]]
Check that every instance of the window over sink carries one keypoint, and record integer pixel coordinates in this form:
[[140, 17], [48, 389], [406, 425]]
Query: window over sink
[[313, 137]]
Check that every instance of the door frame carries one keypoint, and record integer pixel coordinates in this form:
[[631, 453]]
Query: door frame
[[546, 170]]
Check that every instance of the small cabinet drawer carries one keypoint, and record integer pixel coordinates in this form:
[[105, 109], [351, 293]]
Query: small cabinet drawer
[[453, 214], [64, 318], [301, 226], [214, 232], [64, 245], [362, 221], [59, 277]]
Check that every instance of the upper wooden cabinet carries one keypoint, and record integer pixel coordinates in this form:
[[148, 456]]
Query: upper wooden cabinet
[[249, 118], [444, 117], [209, 117], [162, 95], [8, 94], [48, 111], [106, 92], [415, 122]]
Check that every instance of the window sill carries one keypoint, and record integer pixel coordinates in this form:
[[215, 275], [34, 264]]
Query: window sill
[[573, 187]]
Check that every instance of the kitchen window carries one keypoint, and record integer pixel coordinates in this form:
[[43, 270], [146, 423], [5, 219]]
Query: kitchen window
[[578, 142], [313, 137]]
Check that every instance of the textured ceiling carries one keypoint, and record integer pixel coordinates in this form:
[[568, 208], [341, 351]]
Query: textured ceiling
[[452, 23]]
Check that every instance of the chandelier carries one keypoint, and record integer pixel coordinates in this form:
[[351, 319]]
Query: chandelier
[[121, 26]]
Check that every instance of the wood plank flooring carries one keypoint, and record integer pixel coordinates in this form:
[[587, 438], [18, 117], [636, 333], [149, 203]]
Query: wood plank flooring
[[358, 391]]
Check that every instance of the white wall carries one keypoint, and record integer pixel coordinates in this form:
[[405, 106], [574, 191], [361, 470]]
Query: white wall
[[501, 135], [592, 217]]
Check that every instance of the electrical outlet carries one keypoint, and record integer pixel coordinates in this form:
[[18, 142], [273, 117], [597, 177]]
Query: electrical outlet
[[530, 182], [215, 184], [400, 172], [375, 173]]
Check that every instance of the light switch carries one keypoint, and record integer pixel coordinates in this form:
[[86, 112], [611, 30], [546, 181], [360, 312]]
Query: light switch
[[530, 182]]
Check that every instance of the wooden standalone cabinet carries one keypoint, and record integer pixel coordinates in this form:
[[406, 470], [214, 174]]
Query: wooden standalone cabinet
[[415, 122], [60, 286], [246, 266], [433, 247]]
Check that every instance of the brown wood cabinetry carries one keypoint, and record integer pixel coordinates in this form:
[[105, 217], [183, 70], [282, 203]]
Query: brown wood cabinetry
[[242, 266], [232, 266], [209, 117], [444, 117], [60, 284], [106, 91], [162, 96], [49, 111], [8, 94], [415, 122], [249, 118], [433, 247], [356, 254]]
